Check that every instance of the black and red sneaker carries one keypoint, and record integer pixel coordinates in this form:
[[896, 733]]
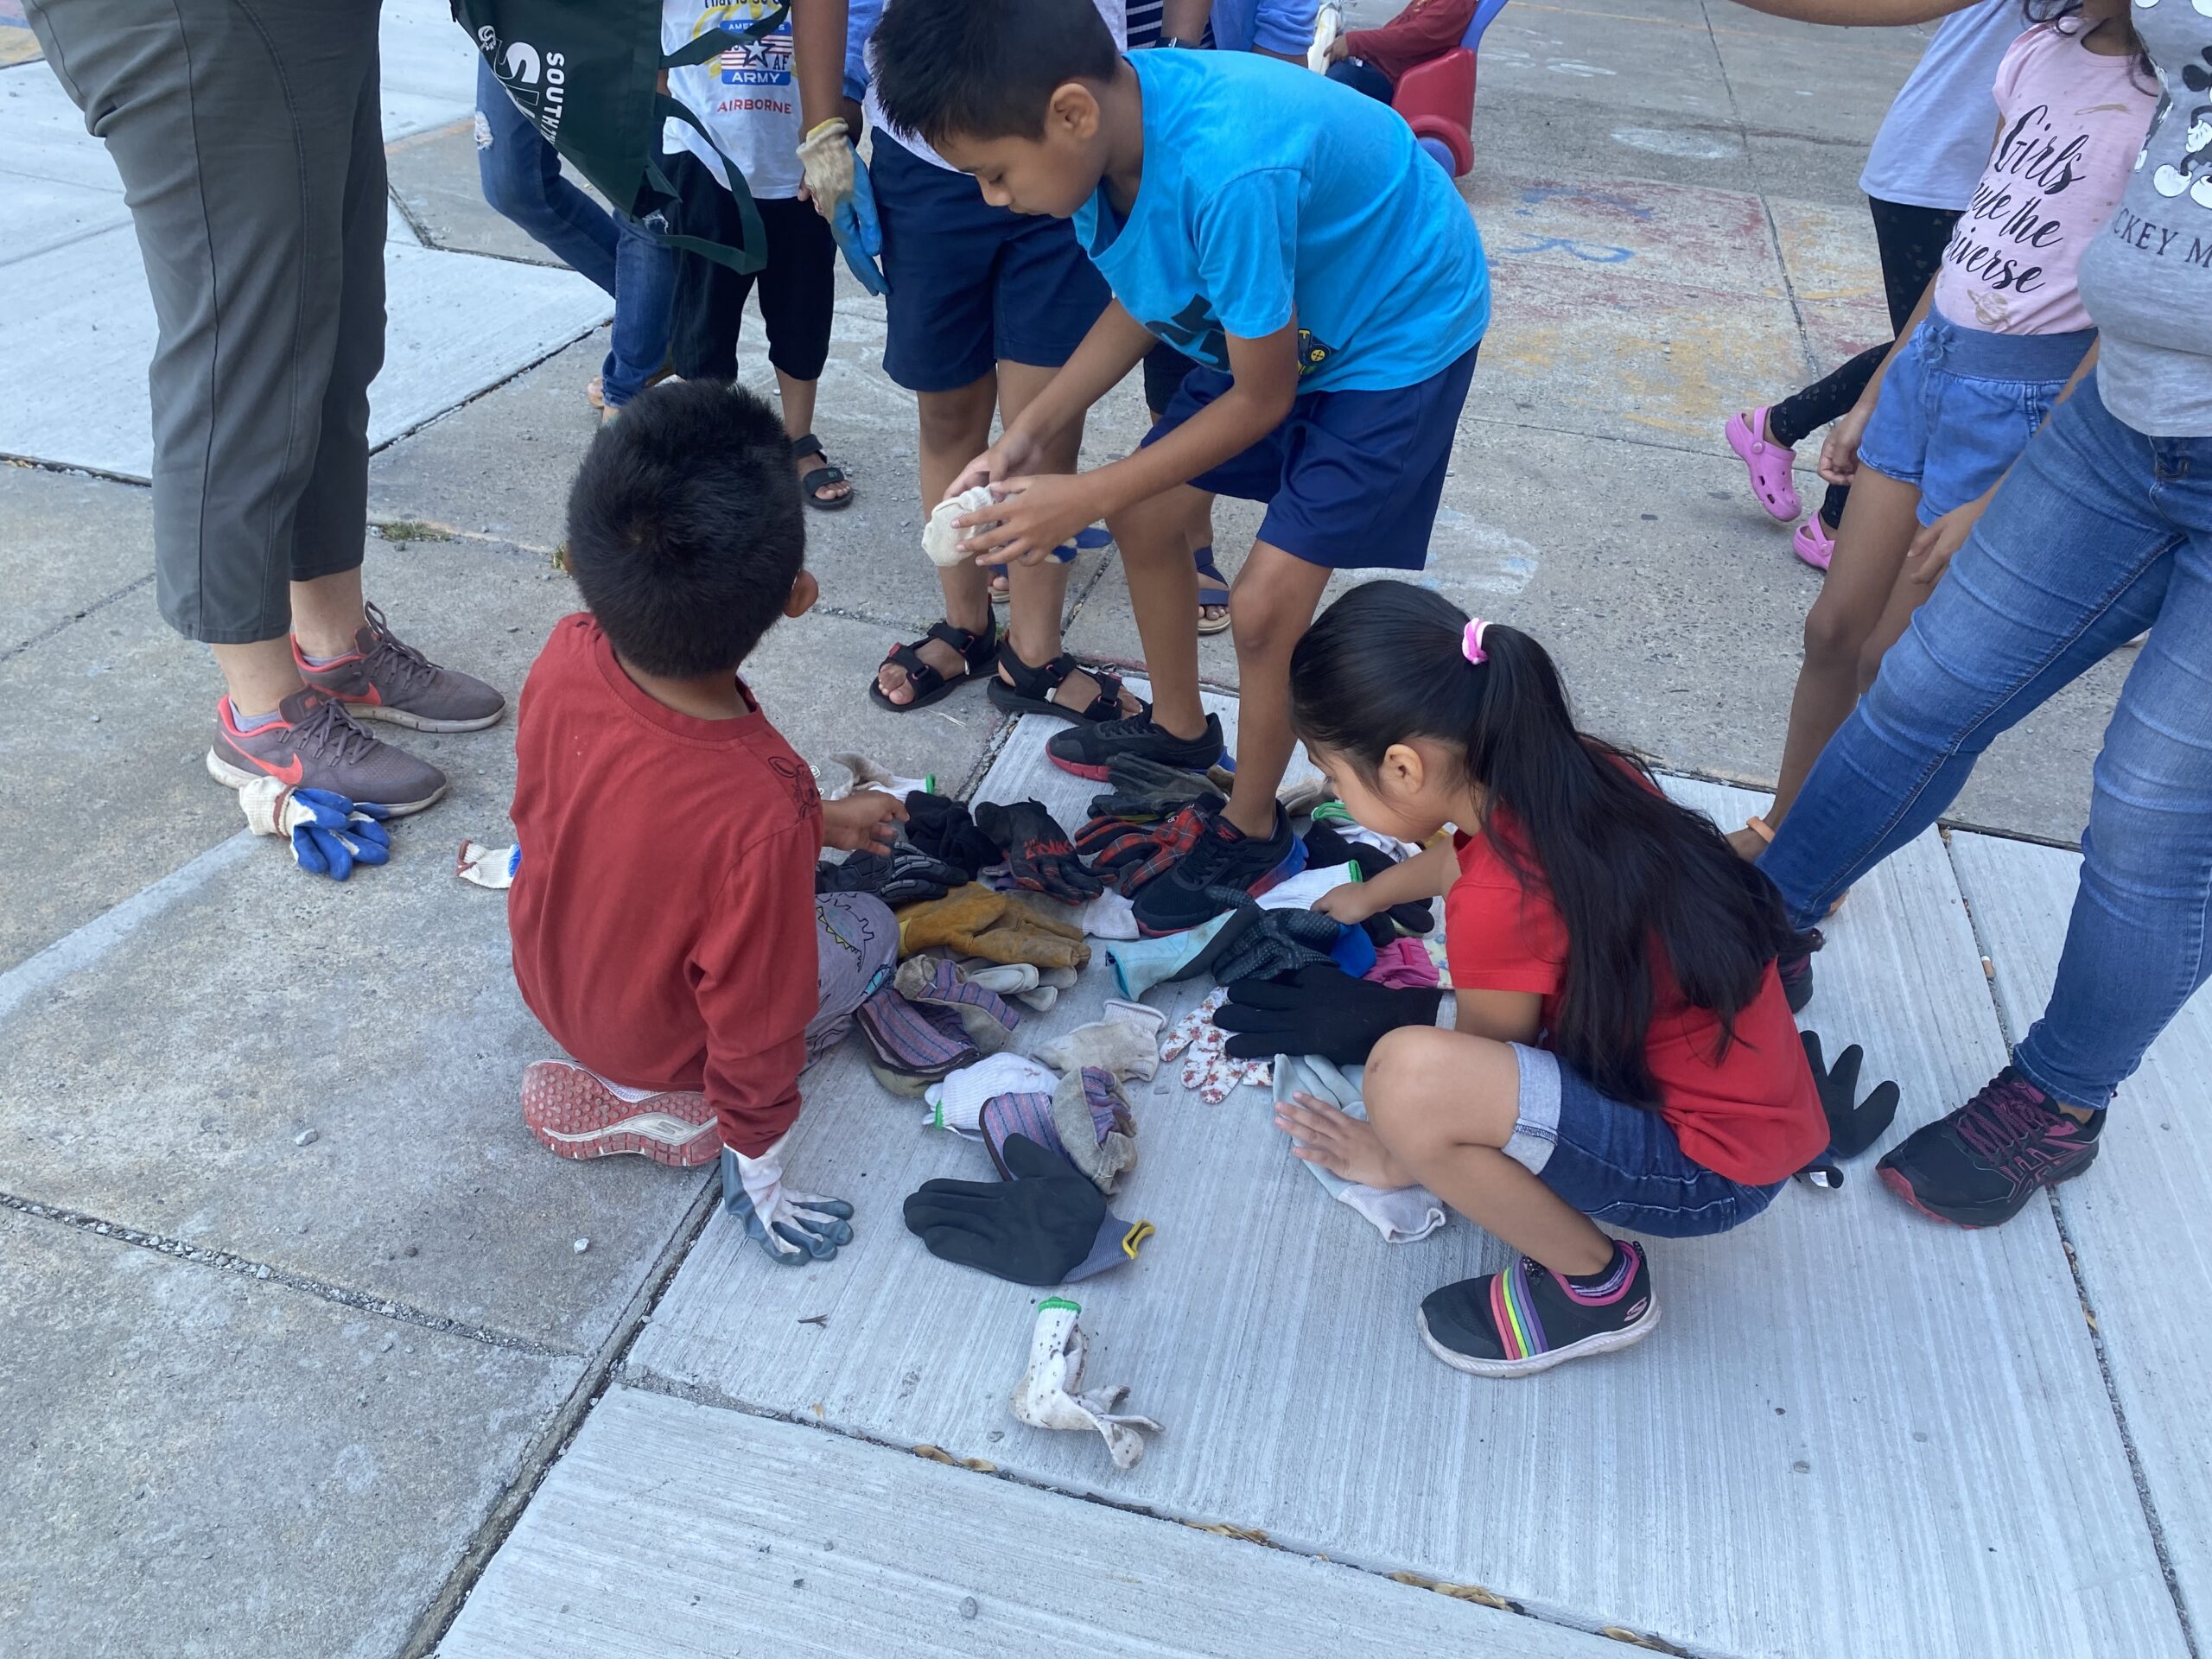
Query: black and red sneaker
[[1087, 750], [1978, 1166], [1795, 966], [1222, 858]]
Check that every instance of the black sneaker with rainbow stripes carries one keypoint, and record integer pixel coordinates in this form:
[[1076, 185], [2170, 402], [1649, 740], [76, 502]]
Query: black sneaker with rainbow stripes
[[1529, 1318]]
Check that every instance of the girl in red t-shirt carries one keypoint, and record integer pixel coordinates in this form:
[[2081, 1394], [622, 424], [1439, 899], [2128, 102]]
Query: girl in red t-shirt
[[1623, 1051]]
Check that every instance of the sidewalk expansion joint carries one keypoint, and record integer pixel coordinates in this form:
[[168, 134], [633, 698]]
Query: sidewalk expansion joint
[[645, 1381], [545, 1448], [2152, 1523], [222, 1261], [63, 624]]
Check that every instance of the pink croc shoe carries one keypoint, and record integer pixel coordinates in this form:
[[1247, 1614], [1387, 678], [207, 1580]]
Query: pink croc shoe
[[1769, 464], [1813, 544]]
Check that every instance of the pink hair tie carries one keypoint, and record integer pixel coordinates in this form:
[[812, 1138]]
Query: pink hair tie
[[1470, 642]]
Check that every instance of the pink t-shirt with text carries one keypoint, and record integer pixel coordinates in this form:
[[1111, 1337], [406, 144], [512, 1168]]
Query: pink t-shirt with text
[[2070, 123]]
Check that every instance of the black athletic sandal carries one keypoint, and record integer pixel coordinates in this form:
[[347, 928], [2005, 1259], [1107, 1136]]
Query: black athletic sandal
[[821, 477], [1213, 590], [928, 682], [1030, 689]]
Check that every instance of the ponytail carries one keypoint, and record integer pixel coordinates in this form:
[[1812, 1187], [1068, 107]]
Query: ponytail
[[1574, 817]]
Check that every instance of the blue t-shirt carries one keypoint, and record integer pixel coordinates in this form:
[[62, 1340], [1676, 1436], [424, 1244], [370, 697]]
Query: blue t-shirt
[[1268, 188]]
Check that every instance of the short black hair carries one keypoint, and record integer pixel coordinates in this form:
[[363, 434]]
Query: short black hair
[[685, 529], [984, 68]]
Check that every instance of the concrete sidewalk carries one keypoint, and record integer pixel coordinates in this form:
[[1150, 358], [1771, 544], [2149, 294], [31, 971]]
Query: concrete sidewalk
[[301, 1329]]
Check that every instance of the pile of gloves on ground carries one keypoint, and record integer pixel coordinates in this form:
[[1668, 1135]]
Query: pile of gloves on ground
[[995, 906]]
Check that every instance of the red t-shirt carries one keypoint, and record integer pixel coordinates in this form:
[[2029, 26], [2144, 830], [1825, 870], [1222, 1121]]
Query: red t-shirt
[[663, 916], [1753, 1116]]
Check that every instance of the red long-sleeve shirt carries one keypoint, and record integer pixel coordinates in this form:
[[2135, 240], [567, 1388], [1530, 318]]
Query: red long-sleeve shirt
[[1426, 30], [663, 915]]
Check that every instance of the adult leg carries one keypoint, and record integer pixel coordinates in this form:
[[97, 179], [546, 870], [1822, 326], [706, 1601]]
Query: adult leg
[[2136, 946], [2069, 563], [1271, 606], [645, 289], [521, 176]]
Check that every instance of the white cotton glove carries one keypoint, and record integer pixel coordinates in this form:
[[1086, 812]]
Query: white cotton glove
[[943, 540], [867, 775], [825, 156], [1026, 982], [487, 866], [956, 1103], [1126, 1042], [1046, 1397], [792, 1228]]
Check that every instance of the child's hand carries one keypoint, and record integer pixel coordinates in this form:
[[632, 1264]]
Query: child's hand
[[1033, 516], [1010, 457], [1349, 903], [1346, 1147], [1840, 451], [866, 821], [1339, 49], [1932, 547]]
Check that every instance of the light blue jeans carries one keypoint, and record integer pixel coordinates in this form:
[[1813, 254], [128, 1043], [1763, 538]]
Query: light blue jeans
[[2097, 534], [521, 176]]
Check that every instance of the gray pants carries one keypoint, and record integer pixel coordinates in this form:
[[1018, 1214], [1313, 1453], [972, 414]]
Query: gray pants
[[249, 139]]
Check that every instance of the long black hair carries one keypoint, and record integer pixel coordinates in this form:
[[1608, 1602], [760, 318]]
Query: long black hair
[[2058, 12], [1636, 879]]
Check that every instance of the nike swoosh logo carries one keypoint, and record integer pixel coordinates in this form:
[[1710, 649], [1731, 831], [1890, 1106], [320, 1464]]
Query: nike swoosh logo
[[290, 773]]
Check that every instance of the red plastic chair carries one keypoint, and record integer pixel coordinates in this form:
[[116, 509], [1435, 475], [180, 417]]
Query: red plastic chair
[[1437, 98]]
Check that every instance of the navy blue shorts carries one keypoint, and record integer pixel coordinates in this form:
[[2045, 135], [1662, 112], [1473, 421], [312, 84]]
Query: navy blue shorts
[[973, 286], [1351, 479], [1618, 1163]]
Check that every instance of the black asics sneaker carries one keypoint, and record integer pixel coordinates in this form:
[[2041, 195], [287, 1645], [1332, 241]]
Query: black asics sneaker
[[1978, 1167], [1529, 1318], [1087, 750], [1222, 857]]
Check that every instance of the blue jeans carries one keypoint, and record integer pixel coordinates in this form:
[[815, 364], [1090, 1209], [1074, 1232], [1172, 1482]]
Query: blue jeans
[[1364, 76], [521, 176], [2098, 533]]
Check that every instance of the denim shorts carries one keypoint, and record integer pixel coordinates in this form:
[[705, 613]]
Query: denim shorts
[[1351, 479], [973, 286], [1618, 1163], [1959, 404]]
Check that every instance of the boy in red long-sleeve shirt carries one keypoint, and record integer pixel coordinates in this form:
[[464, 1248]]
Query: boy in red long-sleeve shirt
[[662, 910]]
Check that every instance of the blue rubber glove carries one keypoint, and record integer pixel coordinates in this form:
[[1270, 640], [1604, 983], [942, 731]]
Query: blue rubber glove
[[860, 239], [329, 835], [791, 1227]]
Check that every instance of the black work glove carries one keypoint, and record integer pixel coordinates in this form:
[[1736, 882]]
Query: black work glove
[[1327, 846], [903, 875], [1146, 791], [1038, 851], [1044, 1226], [1273, 943], [941, 827], [1317, 1010], [1854, 1124]]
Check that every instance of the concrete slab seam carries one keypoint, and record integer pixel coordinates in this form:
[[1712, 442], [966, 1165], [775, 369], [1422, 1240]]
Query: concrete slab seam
[[2152, 1520], [75, 951], [551, 352], [75, 617], [647, 1381], [546, 1448], [222, 1261]]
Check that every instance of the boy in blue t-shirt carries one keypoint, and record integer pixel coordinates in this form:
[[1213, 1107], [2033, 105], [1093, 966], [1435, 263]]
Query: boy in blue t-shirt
[[1287, 233]]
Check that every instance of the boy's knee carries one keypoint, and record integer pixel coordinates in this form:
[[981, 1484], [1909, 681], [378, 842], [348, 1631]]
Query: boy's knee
[[1150, 529], [957, 419], [1266, 627]]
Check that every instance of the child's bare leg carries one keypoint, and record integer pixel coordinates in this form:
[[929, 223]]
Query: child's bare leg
[[1036, 593], [796, 398], [1870, 547], [1444, 1104], [1164, 594], [955, 428], [1270, 608], [1905, 598], [1197, 532]]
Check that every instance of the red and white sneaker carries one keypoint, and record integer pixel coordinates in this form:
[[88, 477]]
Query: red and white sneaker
[[574, 1114]]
